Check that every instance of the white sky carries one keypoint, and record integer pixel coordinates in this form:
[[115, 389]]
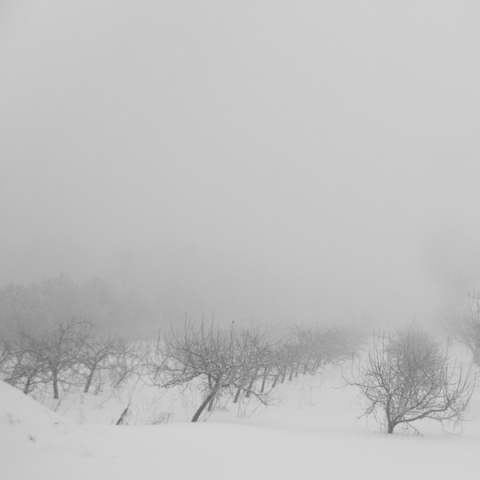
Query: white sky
[[285, 160]]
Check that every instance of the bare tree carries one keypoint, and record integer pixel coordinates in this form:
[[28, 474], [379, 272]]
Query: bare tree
[[59, 348], [252, 355], [22, 365], [98, 346], [5, 353], [209, 359], [408, 377], [464, 325], [308, 349], [129, 360], [282, 356]]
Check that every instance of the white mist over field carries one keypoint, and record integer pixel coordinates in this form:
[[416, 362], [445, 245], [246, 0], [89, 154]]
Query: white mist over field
[[254, 159]]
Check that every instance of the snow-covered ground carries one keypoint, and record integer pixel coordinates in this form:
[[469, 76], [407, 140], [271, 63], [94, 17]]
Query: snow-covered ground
[[311, 432]]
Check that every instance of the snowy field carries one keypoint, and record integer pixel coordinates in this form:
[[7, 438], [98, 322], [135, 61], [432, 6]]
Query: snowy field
[[312, 431]]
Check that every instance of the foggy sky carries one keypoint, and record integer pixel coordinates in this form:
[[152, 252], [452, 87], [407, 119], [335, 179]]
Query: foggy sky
[[268, 159]]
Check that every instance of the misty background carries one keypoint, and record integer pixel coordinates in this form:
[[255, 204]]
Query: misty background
[[269, 160]]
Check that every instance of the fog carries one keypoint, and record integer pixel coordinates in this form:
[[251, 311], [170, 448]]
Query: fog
[[281, 161]]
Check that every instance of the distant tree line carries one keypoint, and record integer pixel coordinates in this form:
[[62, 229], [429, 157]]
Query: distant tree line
[[40, 305]]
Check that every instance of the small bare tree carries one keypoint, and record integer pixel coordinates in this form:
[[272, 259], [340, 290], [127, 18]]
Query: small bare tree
[[282, 356], [464, 325], [408, 377], [252, 350], [98, 346], [22, 365], [128, 360], [59, 348]]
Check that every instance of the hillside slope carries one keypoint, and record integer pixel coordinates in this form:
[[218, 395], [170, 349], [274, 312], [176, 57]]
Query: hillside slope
[[289, 440]]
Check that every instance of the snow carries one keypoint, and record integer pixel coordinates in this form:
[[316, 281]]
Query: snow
[[311, 432]]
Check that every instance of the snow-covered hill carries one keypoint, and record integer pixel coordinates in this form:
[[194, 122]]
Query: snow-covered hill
[[312, 433]]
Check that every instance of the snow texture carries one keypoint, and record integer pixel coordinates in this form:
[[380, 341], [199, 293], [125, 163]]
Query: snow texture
[[311, 432]]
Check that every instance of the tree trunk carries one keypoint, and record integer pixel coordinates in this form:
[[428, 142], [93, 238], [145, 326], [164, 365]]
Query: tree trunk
[[207, 400], [264, 381], [122, 417], [250, 385], [26, 389], [121, 379], [55, 384], [237, 395], [90, 378], [390, 418], [476, 355]]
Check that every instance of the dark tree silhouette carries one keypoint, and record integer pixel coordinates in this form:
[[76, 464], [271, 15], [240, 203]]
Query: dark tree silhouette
[[212, 360], [408, 377]]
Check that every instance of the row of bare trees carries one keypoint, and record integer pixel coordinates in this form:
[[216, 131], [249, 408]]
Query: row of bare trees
[[64, 355], [217, 362], [404, 376], [244, 362]]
